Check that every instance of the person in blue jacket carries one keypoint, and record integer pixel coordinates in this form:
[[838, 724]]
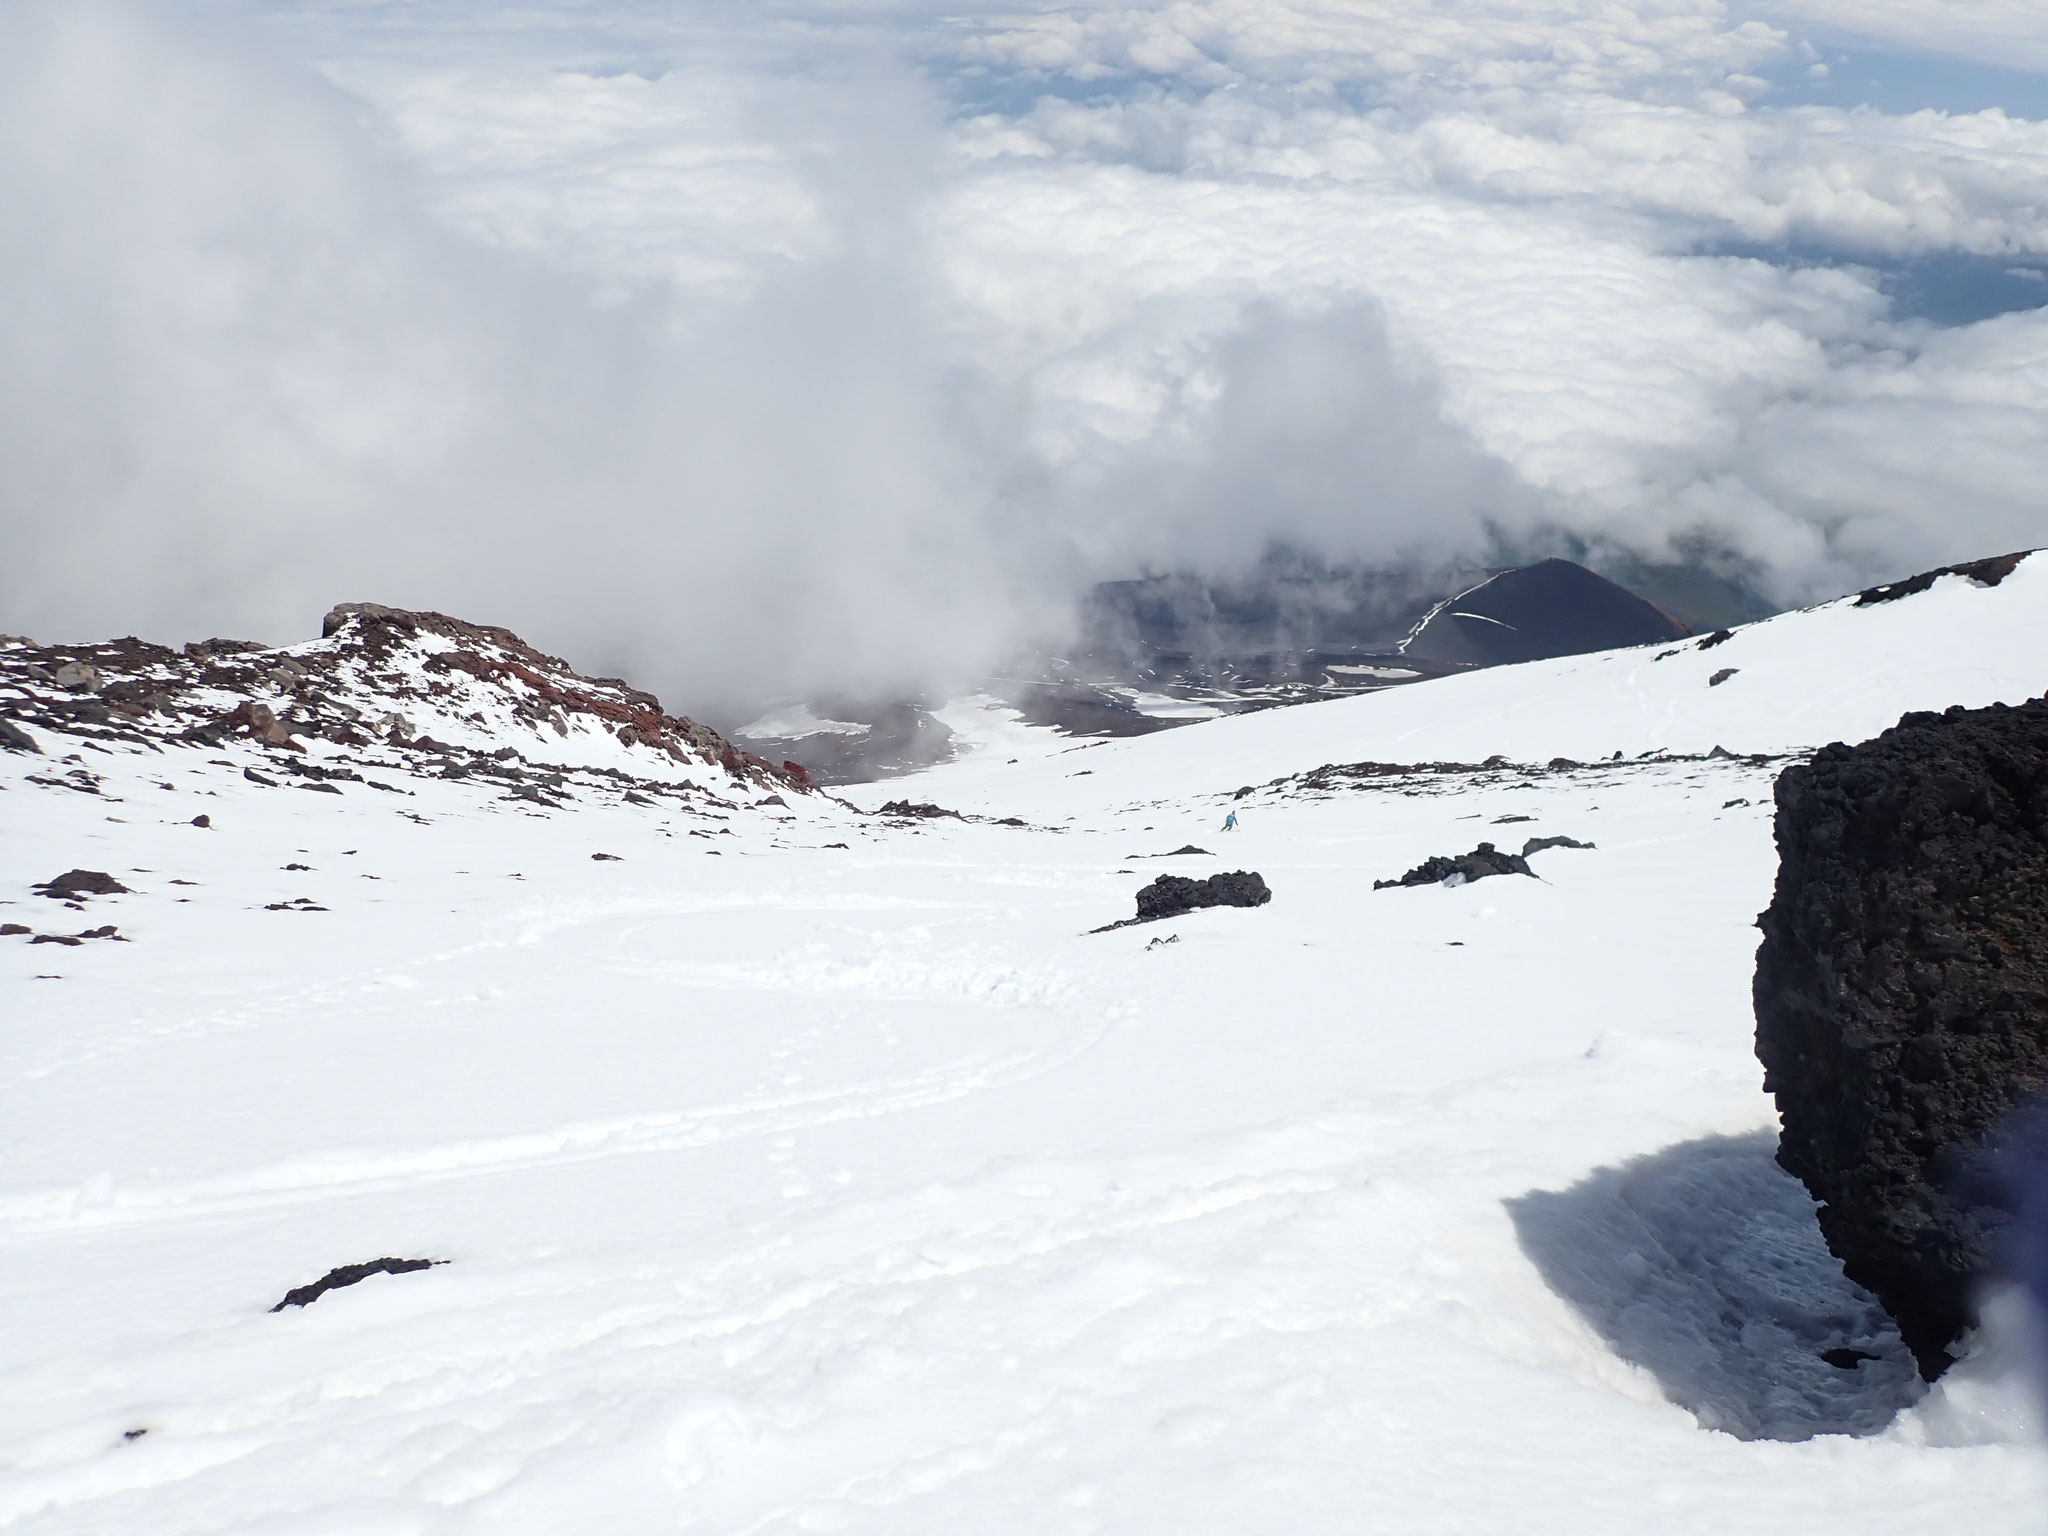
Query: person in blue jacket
[[1230, 822]]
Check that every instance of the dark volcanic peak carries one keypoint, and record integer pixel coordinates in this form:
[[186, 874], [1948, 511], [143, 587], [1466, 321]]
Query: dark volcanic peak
[[1290, 606], [1552, 608]]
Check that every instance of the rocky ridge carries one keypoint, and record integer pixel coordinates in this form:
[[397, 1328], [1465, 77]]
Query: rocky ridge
[[384, 690]]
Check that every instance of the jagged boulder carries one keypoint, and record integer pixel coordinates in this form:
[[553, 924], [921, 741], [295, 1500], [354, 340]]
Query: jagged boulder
[[1901, 996], [1171, 895], [1482, 862]]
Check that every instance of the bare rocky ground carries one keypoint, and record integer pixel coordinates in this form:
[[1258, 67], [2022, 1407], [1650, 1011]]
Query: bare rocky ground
[[384, 694]]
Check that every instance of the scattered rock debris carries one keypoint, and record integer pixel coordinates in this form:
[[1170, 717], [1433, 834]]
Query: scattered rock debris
[[925, 812], [351, 1274], [607, 858], [1421, 777]]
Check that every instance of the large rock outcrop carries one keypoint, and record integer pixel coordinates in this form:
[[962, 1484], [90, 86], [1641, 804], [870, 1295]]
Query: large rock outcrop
[[415, 683], [1902, 996]]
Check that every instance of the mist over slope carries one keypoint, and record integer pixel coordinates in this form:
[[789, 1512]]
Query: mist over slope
[[763, 351]]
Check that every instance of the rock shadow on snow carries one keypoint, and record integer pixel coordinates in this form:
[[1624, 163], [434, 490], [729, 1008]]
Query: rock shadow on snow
[[1704, 1264]]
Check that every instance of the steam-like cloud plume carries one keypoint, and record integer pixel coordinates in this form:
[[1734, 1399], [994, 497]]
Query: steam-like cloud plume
[[775, 350]]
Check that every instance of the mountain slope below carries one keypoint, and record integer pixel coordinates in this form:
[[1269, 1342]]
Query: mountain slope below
[[791, 1169]]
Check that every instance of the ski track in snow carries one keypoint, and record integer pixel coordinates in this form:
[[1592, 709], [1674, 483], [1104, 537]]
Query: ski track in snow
[[810, 1188]]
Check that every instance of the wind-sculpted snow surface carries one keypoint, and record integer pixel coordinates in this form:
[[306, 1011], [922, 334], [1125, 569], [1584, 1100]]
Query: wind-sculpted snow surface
[[799, 1169]]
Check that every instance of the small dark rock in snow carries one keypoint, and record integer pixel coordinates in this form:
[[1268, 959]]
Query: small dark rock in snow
[[76, 884], [9, 930], [925, 812], [1715, 639], [15, 739], [351, 1274], [1538, 844], [1477, 865], [1719, 752], [1501, 821], [1562, 765], [202, 821], [1901, 997], [607, 858], [256, 778], [56, 938], [1722, 676]]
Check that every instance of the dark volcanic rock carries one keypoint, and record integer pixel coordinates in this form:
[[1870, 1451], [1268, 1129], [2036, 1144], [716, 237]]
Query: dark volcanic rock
[[76, 884], [1902, 995], [1539, 844], [350, 1274], [1986, 573], [1477, 865], [925, 812], [15, 739], [1171, 895]]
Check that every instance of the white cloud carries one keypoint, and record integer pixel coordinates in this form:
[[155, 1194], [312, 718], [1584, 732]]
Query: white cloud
[[706, 342]]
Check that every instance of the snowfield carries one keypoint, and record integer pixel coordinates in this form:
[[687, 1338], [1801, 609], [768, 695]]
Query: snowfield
[[790, 1187]]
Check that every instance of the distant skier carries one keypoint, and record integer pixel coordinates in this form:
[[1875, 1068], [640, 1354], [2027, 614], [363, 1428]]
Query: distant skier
[[1230, 822]]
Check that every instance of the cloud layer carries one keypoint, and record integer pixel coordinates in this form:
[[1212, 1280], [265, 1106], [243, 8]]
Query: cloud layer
[[773, 350]]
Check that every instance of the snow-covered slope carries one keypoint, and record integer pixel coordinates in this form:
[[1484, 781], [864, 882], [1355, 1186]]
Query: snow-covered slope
[[1841, 671], [813, 1187]]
